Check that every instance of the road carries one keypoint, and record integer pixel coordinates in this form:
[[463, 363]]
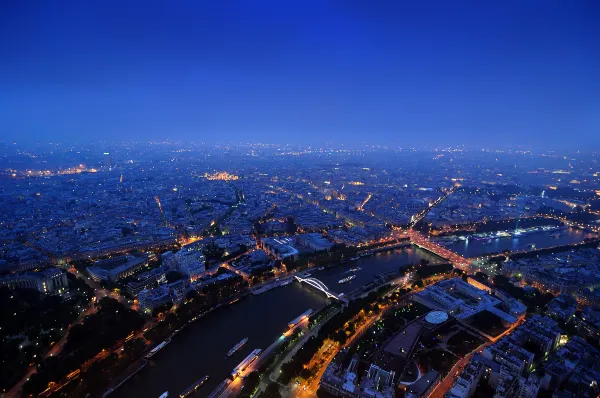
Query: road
[[234, 388], [459, 366], [415, 219], [99, 291]]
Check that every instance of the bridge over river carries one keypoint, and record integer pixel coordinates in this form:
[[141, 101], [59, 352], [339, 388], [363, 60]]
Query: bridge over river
[[424, 243], [317, 284]]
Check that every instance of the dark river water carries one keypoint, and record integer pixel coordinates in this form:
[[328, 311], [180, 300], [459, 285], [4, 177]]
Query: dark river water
[[371, 266], [474, 248], [201, 348]]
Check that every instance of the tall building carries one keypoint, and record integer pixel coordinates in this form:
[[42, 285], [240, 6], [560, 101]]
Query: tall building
[[191, 263], [108, 160], [173, 293], [188, 261]]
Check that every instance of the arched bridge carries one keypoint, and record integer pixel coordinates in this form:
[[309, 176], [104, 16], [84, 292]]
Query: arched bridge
[[317, 284]]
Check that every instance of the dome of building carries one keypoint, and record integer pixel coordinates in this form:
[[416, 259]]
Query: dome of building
[[436, 317]]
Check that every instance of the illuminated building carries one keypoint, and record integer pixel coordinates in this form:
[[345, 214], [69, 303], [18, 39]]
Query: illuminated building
[[116, 268], [50, 281], [108, 161], [221, 176], [147, 280], [280, 248], [174, 293]]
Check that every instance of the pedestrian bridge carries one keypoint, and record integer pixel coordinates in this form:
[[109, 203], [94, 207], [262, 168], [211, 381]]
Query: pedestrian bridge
[[317, 284]]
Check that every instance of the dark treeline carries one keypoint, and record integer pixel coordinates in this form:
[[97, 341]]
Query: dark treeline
[[99, 331]]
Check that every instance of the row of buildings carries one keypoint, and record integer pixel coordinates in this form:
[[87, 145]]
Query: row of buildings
[[452, 303], [47, 281], [536, 356], [380, 376], [576, 273]]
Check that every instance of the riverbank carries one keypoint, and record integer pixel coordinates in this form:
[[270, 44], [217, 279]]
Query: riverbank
[[131, 371]]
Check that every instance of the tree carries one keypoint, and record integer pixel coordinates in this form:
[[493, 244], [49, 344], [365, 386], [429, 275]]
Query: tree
[[418, 283], [403, 270], [173, 276], [134, 348], [250, 383], [340, 337], [305, 373], [290, 225], [272, 391], [161, 308], [192, 294], [481, 276]]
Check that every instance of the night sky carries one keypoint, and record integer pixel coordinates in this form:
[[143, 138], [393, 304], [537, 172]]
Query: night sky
[[308, 72]]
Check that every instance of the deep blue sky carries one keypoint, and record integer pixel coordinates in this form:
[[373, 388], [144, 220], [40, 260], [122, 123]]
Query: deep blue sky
[[398, 72]]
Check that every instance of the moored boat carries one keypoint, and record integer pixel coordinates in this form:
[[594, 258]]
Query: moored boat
[[347, 279], [236, 347]]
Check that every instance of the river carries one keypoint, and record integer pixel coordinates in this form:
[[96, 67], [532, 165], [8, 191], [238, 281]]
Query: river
[[370, 266], [201, 348], [473, 248]]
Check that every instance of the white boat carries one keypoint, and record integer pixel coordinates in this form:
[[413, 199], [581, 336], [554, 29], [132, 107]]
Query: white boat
[[191, 389], [157, 348], [347, 279], [237, 346]]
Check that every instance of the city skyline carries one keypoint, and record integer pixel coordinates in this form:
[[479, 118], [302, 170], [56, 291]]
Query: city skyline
[[323, 269]]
